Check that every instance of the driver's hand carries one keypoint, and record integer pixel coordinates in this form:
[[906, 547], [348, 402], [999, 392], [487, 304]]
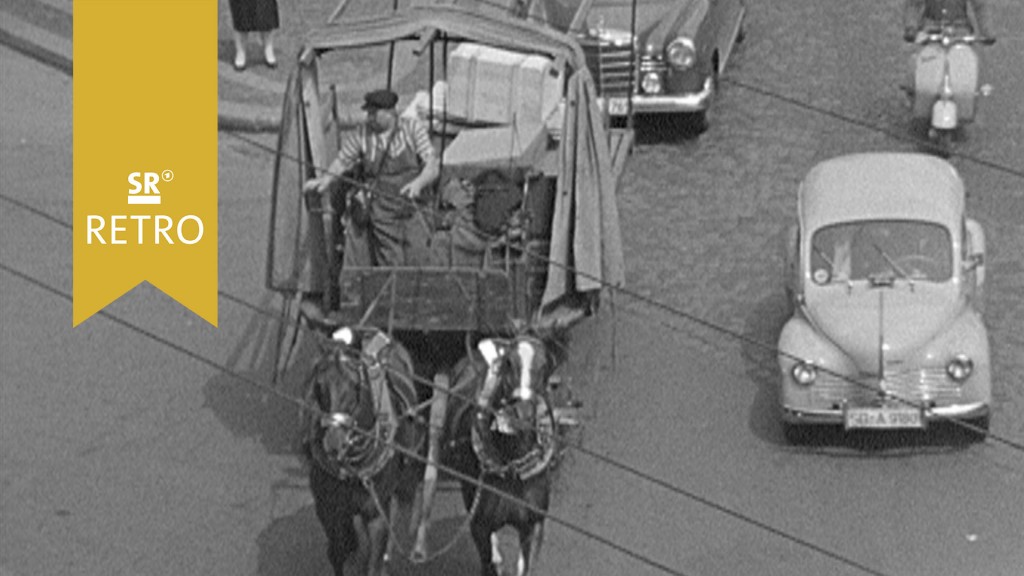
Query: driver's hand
[[411, 191], [320, 184]]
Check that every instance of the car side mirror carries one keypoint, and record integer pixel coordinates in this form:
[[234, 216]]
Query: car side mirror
[[790, 254], [975, 258], [974, 261]]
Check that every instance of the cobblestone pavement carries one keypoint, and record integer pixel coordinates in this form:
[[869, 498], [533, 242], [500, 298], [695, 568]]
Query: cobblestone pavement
[[703, 219]]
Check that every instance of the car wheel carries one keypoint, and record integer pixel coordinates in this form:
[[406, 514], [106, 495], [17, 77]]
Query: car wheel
[[700, 120], [796, 434]]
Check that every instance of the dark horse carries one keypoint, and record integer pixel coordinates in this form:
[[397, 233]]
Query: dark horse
[[362, 385], [504, 436]]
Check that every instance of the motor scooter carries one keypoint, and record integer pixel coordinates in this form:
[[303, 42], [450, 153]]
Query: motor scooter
[[945, 84]]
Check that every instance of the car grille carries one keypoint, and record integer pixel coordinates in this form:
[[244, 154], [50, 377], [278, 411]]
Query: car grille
[[611, 66], [930, 386]]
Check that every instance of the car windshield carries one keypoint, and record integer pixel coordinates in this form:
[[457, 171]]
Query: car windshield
[[865, 250]]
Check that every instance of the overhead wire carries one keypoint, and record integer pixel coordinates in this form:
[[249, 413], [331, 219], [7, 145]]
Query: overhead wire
[[640, 297], [574, 446], [654, 303], [424, 381], [818, 109], [899, 135], [305, 406], [600, 457]]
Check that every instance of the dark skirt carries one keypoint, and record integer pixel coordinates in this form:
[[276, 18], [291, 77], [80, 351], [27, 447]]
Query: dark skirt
[[254, 15]]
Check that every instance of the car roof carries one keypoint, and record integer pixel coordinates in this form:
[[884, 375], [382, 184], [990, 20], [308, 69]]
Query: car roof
[[880, 185]]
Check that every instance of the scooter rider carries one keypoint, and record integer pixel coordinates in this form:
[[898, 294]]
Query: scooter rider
[[933, 15]]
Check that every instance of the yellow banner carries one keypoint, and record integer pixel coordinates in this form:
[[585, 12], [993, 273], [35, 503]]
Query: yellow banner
[[145, 152]]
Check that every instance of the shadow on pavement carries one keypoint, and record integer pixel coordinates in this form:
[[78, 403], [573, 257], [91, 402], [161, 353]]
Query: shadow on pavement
[[763, 326], [293, 546], [245, 399]]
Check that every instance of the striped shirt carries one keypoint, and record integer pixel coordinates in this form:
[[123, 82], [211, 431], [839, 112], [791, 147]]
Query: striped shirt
[[411, 132]]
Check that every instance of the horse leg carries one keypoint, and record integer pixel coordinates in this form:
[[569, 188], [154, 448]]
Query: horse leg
[[393, 514], [496, 558], [378, 536], [341, 543], [530, 542], [482, 539], [330, 504]]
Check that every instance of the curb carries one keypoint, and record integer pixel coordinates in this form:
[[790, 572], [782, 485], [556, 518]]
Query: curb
[[56, 51], [20, 41], [236, 117]]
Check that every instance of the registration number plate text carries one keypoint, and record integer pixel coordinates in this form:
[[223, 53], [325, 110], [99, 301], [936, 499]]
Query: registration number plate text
[[892, 417], [618, 106]]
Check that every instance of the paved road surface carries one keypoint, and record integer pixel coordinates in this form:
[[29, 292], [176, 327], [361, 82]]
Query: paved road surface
[[127, 449]]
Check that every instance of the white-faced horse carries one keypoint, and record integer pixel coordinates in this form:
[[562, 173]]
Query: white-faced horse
[[504, 436]]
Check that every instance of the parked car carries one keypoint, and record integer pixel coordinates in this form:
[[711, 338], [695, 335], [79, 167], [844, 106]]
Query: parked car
[[672, 62], [885, 273]]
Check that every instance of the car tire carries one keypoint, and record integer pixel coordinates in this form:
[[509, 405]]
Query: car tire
[[795, 434], [700, 121]]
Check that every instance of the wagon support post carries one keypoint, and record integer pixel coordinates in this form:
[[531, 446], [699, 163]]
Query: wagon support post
[[438, 412]]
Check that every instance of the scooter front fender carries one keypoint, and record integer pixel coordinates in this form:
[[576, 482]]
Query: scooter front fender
[[963, 78], [930, 68]]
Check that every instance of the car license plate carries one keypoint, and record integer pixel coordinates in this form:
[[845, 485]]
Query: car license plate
[[885, 417], [618, 106]]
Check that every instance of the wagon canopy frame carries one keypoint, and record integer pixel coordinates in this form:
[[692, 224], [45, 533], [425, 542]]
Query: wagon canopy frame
[[458, 23], [584, 253]]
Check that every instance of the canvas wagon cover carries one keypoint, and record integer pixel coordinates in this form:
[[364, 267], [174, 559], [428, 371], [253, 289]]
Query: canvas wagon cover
[[586, 251]]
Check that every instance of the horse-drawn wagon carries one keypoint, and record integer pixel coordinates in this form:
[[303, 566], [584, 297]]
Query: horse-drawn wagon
[[520, 234]]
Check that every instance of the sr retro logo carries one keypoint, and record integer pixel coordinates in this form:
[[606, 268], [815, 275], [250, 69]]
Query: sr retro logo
[[142, 229]]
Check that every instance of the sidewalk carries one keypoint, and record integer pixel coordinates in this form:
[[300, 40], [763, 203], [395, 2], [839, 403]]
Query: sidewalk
[[248, 100]]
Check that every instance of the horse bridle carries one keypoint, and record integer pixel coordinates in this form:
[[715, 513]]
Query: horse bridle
[[499, 366], [362, 453]]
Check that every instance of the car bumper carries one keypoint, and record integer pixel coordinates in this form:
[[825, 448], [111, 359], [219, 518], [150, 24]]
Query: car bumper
[[662, 103], [792, 415]]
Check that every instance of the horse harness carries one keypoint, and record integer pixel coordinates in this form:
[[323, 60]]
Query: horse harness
[[370, 451], [534, 461]]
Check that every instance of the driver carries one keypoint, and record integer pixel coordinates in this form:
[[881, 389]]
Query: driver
[[921, 15], [398, 162]]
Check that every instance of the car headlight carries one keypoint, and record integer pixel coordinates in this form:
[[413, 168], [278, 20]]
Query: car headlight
[[805, 373], [651, 83], [681, 54], [960, 368]]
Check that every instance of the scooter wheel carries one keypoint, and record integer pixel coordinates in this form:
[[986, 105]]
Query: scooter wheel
[[942, 140]]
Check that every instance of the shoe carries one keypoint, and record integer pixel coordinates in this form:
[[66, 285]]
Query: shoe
[[239, 61], [269, 57]]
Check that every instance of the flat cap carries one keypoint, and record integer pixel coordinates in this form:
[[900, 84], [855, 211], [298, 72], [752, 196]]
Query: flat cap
[[380, 100]]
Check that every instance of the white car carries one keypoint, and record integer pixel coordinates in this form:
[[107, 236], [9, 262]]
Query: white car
[[885, 273]]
